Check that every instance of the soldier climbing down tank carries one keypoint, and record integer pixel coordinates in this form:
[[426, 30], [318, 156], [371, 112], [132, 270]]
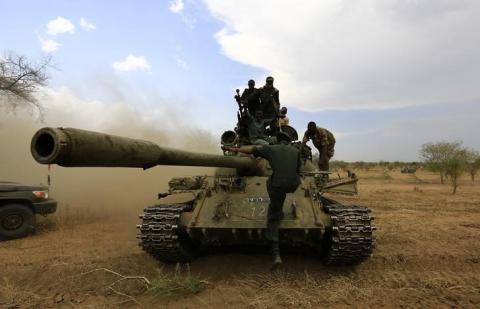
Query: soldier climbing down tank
[[285, 162], [323, 140]]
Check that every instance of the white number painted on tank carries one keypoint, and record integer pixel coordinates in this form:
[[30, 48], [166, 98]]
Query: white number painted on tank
[[261, 211]]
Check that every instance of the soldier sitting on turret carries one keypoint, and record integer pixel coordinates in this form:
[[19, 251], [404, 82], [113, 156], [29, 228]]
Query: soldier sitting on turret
[[256, 129]]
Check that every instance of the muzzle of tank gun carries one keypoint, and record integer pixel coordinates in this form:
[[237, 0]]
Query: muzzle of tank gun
[[80, 148], [71, 147], [48, 145]]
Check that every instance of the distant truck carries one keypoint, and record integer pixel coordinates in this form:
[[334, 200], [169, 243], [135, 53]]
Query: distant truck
[[408, 169], [19, 204]]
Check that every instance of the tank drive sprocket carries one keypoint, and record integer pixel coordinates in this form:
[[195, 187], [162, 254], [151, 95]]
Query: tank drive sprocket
[[161, 235], [351, 239]]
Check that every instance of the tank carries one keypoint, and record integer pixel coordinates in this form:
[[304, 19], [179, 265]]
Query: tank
[[227, 208]]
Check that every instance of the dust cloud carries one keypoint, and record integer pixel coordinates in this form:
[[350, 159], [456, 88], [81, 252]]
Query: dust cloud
[[97, 190]]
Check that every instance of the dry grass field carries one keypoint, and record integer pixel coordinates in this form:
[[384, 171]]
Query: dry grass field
[[427, 255]]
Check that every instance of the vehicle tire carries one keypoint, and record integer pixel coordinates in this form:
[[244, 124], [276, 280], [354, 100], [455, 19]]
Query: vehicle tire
[[16, 220]]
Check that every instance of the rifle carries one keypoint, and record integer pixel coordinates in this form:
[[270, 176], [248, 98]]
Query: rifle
[[242, 128], [237, 98], [241, 107]]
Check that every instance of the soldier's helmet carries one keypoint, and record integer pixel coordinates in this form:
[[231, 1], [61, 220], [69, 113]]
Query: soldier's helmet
[[251, 83], [282, 136]]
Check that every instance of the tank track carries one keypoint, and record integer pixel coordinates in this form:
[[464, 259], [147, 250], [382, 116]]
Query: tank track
[[351, 239], [161, 236]]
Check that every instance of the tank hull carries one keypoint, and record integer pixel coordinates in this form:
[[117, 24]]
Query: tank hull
[[233, 211]]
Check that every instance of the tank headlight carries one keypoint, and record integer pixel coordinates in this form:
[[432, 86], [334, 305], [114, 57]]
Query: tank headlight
[[41, 194]]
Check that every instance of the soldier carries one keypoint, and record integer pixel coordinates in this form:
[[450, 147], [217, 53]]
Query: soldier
[[282, 117], [251, 104], [324, 141], [285, 162], [268, 98], [256, 128]]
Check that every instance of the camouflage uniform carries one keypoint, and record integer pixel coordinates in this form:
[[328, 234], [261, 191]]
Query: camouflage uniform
[[285, 162], [283, 120], [324, 141]]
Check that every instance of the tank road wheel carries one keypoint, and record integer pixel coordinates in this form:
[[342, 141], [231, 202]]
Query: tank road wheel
[[350, 240], [162, 237], [16, 220]]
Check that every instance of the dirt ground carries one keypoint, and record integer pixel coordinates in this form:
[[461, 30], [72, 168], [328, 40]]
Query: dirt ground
[[427, 255]]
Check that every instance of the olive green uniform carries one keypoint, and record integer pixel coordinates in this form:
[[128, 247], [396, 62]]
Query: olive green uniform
[[268, 99], [285, 162], [256, 130], [324, 141], [252, 105]]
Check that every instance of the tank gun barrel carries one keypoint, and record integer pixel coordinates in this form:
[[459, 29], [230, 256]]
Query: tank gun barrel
[[71, 147]]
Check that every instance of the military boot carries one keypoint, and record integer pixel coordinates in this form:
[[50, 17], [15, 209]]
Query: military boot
[[276, 259], [272, 236]]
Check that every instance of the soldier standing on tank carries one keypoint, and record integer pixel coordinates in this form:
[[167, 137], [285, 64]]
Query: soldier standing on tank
[[268, 99], [252, 105], [324, 141], [285, 162]]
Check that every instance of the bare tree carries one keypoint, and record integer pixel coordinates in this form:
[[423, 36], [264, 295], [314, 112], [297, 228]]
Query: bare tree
[[20, 80]]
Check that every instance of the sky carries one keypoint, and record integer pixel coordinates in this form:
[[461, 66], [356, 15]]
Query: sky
[[383, 76]]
